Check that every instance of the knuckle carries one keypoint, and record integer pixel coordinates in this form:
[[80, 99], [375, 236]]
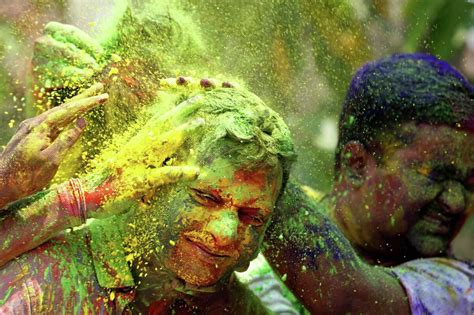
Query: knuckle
[[175, 174], [25, 125], [49, 160], [42, 42], [47, 125], [71, 139], [53, 163], [51, 26]]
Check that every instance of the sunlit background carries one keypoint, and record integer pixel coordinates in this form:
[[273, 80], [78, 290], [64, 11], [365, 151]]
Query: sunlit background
[[297, 55]]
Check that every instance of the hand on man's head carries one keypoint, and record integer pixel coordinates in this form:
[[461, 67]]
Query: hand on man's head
[[64, 57], [146, 163]]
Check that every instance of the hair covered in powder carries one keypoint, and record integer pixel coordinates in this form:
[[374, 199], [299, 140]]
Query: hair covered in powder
[[240, 126], [237, 125], [403, 88]]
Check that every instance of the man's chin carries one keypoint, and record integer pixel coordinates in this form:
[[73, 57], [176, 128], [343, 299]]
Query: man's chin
[[429, 245], [198, 278], [197, 273], [429, 238]]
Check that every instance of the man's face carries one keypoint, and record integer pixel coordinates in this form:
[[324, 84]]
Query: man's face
[[215, 223], [417, 199]]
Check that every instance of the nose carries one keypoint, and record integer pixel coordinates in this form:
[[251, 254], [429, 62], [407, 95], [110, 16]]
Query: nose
[[223, 226], [452, 197]]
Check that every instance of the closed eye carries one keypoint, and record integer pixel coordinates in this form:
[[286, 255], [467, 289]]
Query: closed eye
[[432, 175], [251, 216], [205, 198], [435, 176]]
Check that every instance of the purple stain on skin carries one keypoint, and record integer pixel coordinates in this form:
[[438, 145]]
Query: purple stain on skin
[[325, 240], [329, 240], [181, 81], [206, 83], [81, 123]]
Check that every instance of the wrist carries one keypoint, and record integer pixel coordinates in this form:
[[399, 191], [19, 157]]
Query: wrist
[[97, 195], [8, 193]]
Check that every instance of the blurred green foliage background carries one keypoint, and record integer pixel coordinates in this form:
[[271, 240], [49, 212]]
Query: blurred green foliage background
[[297, 55]]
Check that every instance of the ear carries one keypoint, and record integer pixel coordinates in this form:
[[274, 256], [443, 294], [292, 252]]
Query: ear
[[356, 163]]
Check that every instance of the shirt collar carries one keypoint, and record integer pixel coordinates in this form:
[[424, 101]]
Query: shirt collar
[[108, 255]]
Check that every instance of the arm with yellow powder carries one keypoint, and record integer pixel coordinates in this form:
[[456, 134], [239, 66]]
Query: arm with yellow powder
[[134, 172], [32, 221]]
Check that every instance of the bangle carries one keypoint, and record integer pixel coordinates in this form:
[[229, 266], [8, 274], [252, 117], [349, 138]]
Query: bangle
[[80, 198], [71, 196], [66, 200]]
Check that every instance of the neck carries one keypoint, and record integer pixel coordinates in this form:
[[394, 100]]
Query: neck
[[158, 286]]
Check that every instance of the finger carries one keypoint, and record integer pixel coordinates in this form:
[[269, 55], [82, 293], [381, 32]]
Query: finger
[[92, 91], [56, 151], [49, 49], [57, 75], [171, 174], [164, 144], [176, 115], [173, 139], [64, 114], [71, 34], [22, 134]]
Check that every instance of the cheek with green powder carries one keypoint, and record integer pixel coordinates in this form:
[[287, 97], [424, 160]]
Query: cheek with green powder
[[218, 223]]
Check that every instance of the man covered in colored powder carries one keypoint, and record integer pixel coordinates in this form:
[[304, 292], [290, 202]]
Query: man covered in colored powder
[[379, 243], [147, 45], [173, 248], [372, 117]]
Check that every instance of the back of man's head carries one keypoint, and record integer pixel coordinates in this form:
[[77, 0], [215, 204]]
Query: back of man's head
[[387, 93]]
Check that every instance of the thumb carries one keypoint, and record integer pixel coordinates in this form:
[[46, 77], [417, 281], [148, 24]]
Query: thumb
[[171, 174]]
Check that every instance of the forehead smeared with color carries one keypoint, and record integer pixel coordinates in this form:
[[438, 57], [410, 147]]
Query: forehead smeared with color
[[390, 92]]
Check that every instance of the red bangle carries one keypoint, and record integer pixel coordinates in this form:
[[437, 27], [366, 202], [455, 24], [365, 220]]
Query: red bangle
[[72, 199], [78, 191]]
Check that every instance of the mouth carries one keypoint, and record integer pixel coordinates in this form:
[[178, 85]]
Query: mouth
[[204, 252], [440, 223]]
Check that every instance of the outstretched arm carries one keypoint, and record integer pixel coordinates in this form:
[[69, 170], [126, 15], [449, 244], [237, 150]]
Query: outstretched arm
[[104, 192], [32, 221], [320, 266]]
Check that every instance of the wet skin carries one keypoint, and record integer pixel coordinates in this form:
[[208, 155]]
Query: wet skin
[[215, 223], [415, 201]]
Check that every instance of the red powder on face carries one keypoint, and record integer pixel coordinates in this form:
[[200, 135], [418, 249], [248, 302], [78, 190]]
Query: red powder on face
[[255, 178]]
